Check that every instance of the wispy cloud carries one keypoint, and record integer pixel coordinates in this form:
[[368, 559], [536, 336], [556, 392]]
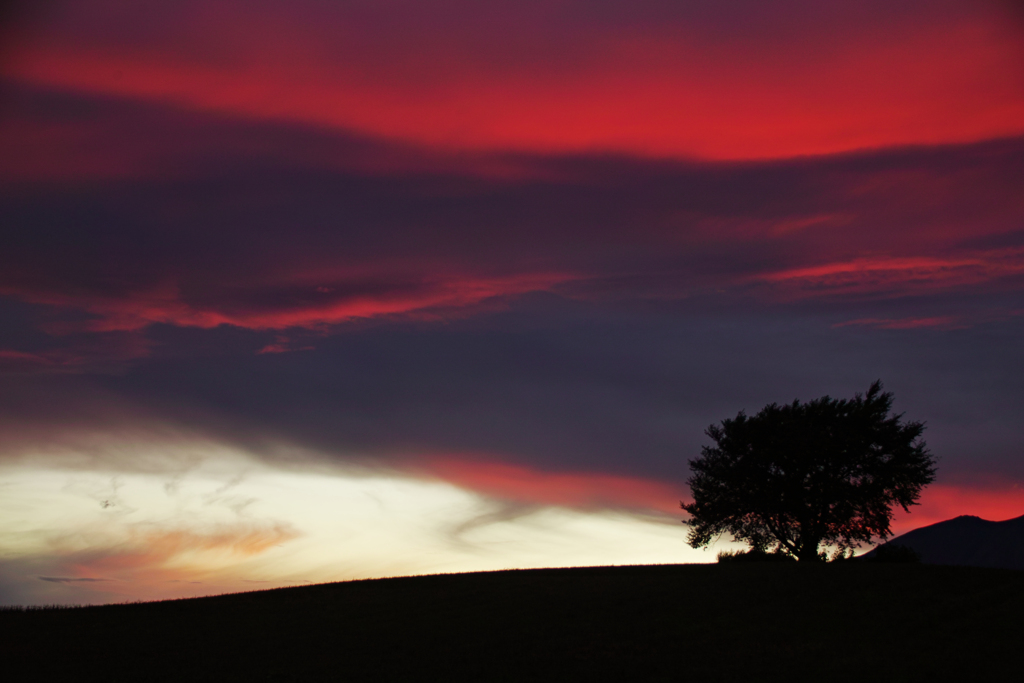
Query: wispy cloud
[[900, 276], [939, 322]]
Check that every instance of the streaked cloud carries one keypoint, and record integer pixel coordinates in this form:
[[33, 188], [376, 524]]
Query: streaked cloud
[[729, 80], [903, 276]]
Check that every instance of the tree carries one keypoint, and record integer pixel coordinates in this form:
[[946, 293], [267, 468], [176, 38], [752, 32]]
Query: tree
[[801, 475]]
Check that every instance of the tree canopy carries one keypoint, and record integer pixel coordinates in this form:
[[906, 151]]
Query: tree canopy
[[798, 476]]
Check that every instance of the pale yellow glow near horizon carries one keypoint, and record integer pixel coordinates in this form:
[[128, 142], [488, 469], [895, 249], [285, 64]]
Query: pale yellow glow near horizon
[[229, 522]]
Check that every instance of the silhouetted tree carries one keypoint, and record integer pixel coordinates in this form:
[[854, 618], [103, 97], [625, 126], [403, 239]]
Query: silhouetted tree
[[801, 475]]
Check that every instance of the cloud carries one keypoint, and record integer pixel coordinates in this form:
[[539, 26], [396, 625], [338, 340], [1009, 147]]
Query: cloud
[[149, 554], [250, 228], [722, 81], [902, 276], [506, 511], [238, 539], [355, 524], [581, 490], [548, 384], [941, 322]]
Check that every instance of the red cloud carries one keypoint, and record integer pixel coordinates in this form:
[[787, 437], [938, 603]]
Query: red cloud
[[154, 215], [595, 491], [941, 322], [566, 489], [940, 502], [121, 144], [13, 358], [658, 88], [319, 305], [899, 276]]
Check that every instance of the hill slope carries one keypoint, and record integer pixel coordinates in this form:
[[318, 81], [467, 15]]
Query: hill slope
[[969, 541], [765, 622]]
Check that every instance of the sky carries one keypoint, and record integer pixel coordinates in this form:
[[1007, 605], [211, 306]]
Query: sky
[[314, 291]]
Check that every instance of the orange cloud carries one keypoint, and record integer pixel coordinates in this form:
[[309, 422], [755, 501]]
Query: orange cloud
[[148, 559], [150, 562]]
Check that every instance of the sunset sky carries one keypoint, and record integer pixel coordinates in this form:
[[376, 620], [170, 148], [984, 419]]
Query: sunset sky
[[316, 290]]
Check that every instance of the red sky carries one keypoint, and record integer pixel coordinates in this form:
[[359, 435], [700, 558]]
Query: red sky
[[552, 239]]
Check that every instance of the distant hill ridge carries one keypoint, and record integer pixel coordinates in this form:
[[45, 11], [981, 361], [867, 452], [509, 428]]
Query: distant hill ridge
[[968, 541]]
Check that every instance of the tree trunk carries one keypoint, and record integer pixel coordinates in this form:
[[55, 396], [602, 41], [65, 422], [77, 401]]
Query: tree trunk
[[808, 550]]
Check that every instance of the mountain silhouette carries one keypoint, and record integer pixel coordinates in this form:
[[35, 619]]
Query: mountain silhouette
[[968, 541]]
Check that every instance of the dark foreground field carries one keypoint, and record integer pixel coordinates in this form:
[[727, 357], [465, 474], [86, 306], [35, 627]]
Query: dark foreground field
[[757, 622]]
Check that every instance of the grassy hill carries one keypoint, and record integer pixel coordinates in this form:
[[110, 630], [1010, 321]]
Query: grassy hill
[[736, 622]]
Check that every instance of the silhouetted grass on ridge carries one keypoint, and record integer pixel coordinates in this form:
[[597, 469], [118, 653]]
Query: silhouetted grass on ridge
[[765, 621]]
